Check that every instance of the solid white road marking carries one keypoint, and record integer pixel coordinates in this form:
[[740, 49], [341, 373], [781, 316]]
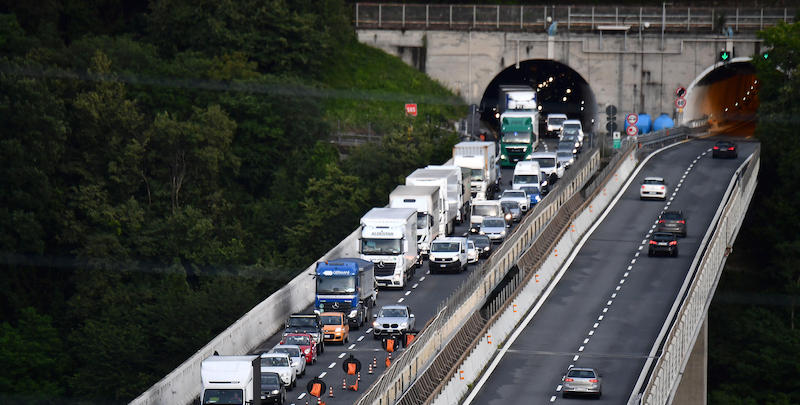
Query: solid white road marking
[[332, 365]]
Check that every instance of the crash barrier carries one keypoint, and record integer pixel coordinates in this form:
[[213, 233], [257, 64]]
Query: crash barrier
[[459, 309], [538, 266], [672, 350], [182, 385]]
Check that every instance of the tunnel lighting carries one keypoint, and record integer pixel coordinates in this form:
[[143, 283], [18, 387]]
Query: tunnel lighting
[[564, 98], [726, 109], [751, 87], [744, 98], [550, 79], [539, 107], [581, 108], [569, 91], [748, 93], [755, 81], [592, 120], [737, 104], [497, 115], [581, 102], [766, 55]]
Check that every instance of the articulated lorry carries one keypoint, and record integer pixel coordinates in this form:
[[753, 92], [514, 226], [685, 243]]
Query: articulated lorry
[[346, 285], [519, 136], [427, 201], [231, 380], [482, 160], [446, 181], [389, 239]]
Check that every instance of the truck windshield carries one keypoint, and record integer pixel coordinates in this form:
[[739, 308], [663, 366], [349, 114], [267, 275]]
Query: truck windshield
[[476, 174], [485, 210], [546, 162], [526, 179], [445, 247], [517, 137], [422, 220], [380, 246], [336, 284], [223, 397]]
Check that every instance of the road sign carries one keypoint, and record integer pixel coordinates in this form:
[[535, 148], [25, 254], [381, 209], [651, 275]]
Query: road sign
[[632, 130], [611, 126], [680, 102], [611, 110], [680, 92], [632, 119], [411, 109], [617, 140]]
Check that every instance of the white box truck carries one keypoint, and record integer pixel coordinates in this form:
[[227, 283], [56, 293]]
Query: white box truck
[[231, 380], [429, 206], [389, 239], [438, 178], [482, 160], [516, 97], [483, 208], [456, 190]]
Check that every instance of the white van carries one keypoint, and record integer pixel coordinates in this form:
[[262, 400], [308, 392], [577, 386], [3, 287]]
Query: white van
[[527, 173], [554, 123]]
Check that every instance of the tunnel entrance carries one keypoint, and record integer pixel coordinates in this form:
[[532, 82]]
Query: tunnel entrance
[[727, 97], [560, 89]]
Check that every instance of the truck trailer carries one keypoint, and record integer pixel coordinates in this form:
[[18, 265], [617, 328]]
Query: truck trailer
[[427, 201], [232, 380], [482, 160]]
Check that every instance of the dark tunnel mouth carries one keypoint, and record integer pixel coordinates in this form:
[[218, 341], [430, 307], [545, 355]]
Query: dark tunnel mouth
[[550, 97], [727, 97]]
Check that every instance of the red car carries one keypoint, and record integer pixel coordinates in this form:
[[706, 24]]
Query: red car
[[306, 343]]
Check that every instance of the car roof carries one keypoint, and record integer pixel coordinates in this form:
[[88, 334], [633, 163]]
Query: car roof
[[449, 239], [394, 306], [512, 191], [543, 154], [286, 346], [556, 115], [654, 178], [265, 355], [573, 122]]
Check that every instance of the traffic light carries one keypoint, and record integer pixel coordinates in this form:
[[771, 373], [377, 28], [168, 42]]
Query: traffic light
[[725, 55], [766, 55]]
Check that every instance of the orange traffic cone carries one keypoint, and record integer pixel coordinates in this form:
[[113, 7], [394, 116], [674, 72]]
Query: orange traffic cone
[[374, 361], [359, 376], [389, 360], [370, 369]]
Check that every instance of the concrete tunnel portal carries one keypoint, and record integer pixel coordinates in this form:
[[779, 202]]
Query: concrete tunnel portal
[[560, 89], [726, 95]]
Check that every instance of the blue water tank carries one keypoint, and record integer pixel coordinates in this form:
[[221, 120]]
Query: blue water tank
[[663, 121], [644, 123]]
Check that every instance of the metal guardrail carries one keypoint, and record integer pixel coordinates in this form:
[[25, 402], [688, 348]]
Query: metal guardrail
[[570, 18], [460, 307], [664, 375]]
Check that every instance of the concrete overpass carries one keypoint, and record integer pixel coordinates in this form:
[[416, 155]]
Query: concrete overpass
[[631, 57]]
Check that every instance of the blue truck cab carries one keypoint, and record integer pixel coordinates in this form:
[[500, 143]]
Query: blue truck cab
[[348, 286]]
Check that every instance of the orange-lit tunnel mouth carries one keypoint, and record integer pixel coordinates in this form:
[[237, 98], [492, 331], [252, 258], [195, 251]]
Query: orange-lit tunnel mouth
[[730, 101]]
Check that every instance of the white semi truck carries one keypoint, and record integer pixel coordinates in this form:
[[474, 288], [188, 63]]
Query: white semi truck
[[482, 160], [427, 201], [389, 239], [439, 178], [231, 380]]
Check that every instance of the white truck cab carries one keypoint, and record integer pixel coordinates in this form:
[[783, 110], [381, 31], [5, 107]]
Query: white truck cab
[[389, 239], [448, 253], [231, 380], [483, 208]]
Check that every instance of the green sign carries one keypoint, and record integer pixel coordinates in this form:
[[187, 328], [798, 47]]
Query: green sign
[[617, 143]]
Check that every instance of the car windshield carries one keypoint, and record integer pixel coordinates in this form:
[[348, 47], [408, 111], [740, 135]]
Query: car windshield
[[393, 313], [292, 352], [581, 374], [331, 319], [480, 240], [445, 247], [510, 205], [571, 129], [476, 174], [485, 210], [526, 179], [493, 223], [336, 284], [371, 246], [568, 138], [546, 161], [222, 397], [567, 154], [671, 216], [517, 137], [302, 321], [270, 382], [531, 190], [297, 340], [566, 145], [555, 121], [274, 362], [655, 182], [514, 194]]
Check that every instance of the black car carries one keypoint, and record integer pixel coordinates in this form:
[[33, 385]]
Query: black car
[[724, 149], [663, 242], [483, 243], [306, 323], [672, 221], [273, 391]]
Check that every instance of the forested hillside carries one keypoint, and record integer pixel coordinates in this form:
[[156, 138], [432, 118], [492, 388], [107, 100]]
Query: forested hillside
[[166, 166]]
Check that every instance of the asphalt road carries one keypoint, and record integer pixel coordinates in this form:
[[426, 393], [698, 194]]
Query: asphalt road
[[423, 295], [609, 306]]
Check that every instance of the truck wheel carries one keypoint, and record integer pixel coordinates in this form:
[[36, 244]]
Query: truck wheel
[[321, 347]]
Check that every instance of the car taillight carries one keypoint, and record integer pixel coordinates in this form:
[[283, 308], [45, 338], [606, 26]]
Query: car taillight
[[593, 380], [673, 243], [660, 221], [643, 186], [681, 222], [568, 380], [662, 187], [716, 148], [652, 242], [731, 148]]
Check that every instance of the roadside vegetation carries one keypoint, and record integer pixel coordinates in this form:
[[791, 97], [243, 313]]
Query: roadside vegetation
[[167, 165]]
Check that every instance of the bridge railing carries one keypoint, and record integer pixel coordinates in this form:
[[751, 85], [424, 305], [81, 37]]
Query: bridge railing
[[570, 18], [659, 381]]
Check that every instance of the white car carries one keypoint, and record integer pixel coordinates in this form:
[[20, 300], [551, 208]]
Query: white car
[[518, 196], [572, 127], [653, 187], [296, 357], [281, 364], [472, 252], [549, 165]]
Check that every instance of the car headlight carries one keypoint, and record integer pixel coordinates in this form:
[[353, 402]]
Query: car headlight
[[483, 233], [537, 197], [508, 217], [353, 313], [502, 233], [403, 325], [375, 324], [502, 156], [337, 330], [486, 248], [544, 183], [275, 392]]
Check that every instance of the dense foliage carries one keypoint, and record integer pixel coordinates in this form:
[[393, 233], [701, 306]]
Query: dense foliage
[[166, 167], [754, 334]]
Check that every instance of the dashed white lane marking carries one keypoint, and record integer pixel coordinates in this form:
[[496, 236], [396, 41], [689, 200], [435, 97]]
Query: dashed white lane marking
[[637, 253], [591, 332], [633, 261], [423, 277], [644, 240], [361, 338], [614, 295], [368, 330], [641, 246], [332, 365], [626, 274], [600, 318], [622, 281], [617, 288], [558, 389], [553, 398], [576, 358], [605, 309], [426, 272], [595, 325], [323, 374], [585, 341], [401, 300], [303, 395], [414, 286], [408, 292], [351, 347], [580, 349], [342, 355]]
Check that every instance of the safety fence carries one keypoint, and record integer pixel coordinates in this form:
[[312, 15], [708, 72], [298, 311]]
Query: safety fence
[[663, 376], [457, 314], [570, 18]]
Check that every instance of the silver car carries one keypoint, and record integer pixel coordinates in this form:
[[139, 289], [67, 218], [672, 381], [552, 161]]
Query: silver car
[[512, 207], [494, 228], [296, 357], [582, 381], [520, 196], [392, 320]]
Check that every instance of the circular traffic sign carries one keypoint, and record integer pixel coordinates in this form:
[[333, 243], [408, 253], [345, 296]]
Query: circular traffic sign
[[680, 102], [632, 119], [611, 110], [680, 92], [632, 130]]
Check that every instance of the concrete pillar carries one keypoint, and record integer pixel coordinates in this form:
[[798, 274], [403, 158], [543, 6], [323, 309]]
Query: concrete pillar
[[692, 388]]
